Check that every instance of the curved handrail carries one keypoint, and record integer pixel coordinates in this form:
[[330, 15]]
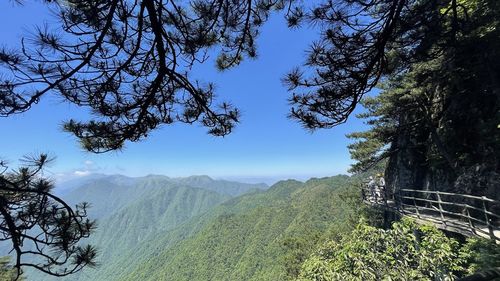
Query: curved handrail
[[453, 211]]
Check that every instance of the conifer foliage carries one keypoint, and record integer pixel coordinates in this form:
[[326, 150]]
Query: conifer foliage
[[43, 230], [443, 105], [129, 63], [363, 42]]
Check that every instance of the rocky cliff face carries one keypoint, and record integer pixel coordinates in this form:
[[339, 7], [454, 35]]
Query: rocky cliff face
[[468, 161], [457, 145]]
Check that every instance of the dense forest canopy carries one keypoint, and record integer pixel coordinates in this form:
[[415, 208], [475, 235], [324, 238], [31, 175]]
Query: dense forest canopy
[[161, 229]]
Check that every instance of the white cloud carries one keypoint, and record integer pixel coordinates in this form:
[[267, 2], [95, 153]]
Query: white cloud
[[82, 173], [86, 168]]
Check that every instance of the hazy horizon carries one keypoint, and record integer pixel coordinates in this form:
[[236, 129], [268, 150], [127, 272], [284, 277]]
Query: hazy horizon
[[268, 180]]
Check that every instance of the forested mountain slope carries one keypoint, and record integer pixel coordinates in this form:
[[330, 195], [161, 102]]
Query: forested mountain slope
[[187, 233], [259, 236], [133, 210], [109, 194], [220, 186]]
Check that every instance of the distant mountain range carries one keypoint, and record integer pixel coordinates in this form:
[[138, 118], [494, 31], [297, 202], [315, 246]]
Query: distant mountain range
[[198, 228], [205, 182], [109, 194]]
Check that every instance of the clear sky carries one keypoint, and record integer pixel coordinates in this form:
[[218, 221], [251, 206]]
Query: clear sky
[[265, 146]]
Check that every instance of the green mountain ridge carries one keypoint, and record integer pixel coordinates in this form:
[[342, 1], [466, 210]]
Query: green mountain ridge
[[109, 194], [178, 232], [133, 210], [246, 239]]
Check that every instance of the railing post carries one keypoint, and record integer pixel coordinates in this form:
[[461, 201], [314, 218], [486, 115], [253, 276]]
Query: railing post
[[399, 202], [488, 224], [471, 223], [440, 207], [416, 207]]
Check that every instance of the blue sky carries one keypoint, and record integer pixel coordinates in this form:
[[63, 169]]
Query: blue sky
[[265, 146]]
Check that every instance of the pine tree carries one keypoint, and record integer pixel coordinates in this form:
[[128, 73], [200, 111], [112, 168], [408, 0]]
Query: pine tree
[[44, 231], [129, 63], [440, 115]]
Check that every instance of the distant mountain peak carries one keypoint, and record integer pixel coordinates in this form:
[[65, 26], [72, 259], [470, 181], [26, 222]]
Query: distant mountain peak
[[156, 176], [200, 177]]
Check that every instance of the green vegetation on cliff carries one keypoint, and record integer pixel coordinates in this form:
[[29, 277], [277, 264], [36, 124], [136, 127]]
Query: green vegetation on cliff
[[406, 251]]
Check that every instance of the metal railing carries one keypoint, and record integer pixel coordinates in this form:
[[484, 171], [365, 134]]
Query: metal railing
[[467, 214]]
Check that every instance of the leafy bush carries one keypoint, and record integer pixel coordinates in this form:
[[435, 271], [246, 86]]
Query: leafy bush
[[407, 251], [481, 254]]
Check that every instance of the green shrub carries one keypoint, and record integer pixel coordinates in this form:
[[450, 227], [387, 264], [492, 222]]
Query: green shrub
[[481, 254], [407, 251]]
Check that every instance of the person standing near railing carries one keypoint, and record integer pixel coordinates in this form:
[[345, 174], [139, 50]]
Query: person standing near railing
[[381, 188], [372, 185]]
